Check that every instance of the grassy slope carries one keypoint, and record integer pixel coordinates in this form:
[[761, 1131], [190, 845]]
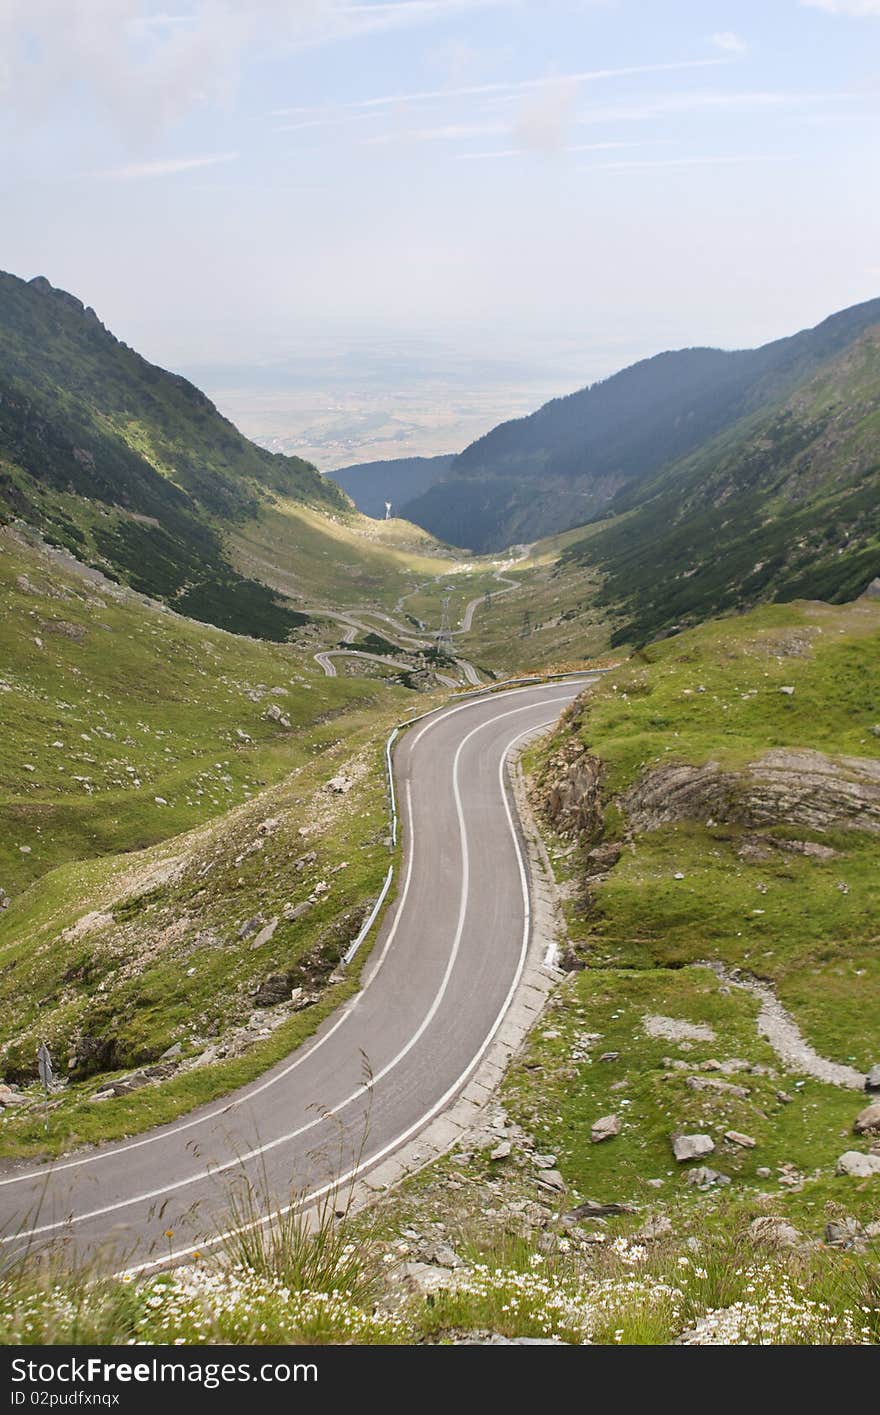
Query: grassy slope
[[146, 705], [131, 467], [784, 505], [784, 919]]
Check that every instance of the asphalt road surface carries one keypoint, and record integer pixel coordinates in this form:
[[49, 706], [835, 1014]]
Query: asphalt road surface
[[436, 987]]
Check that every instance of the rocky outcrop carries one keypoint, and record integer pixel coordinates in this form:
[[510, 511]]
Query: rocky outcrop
[[804, 788], [572, 793]]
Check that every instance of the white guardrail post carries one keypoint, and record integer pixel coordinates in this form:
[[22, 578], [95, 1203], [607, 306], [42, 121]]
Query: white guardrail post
[[392, 794]]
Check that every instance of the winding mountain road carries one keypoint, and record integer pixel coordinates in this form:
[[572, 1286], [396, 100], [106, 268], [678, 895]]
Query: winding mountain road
[[439, 981]]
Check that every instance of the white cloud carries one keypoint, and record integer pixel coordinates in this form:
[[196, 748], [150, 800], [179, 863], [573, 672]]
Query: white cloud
[[506, 90], [705, 101], [165, 167], [145, 70], [859, 8], [728, 41]]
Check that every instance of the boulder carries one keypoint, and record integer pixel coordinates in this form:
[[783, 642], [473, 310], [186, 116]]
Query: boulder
[[867, 1122], [691, 1147], [858, 1165], [501, 1152], [769, 1231], [605, 1129], [872, 1080]]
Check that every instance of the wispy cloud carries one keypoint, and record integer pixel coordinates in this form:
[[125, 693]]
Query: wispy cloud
[[858, 8], [728, 41], [516, 86], [164, 167], [147, 69], [720, 161], [509, 152], [707, 100]]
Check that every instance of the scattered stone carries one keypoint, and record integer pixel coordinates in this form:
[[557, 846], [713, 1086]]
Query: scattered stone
[[250, 926], [502, 1151], [274, 989], [708, 1083], [265, 934], [172, 1052], [591, 1208], [605, 1129], [673, 1029], [439, 1254], [340, 784], [657, 1227], [736, 1137], [787, 691], [544, 1161], [691, 1147], [291, 912], [551, 1179], [872, 1080], [858, 1165], [274, 714], [704, 1178], [848, 1234], [763, 1172], [610, 1056], [867, 1122], [426, 1278], [774, 1232]]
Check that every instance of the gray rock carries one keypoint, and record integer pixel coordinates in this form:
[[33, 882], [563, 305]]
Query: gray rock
[[872, 1080], [709, 1083], [774, 1232], [544, 1161], [702, 1177], [867, 1122], [736, 1137], [502, 1151], [858, 1165], [605, 1128], [439, 1254], [657, 1227], [426, 1278], [591, 1208], [610, 1056], [265, 934], [291, 912], [171, 1052], [847, 1234], [250, 926], [691, 1147], [552, 1179]]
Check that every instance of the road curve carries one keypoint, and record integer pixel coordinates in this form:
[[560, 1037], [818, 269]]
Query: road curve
[[441, 976]]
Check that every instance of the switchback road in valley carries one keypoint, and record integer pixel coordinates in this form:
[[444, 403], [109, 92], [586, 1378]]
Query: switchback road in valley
[[441, 976]]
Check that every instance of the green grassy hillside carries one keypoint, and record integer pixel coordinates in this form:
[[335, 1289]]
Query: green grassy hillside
[[130, 467], [784, 505], [565, 463]]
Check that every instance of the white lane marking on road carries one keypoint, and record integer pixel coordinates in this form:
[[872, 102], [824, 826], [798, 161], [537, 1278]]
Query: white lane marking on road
[[242, 1159], [178, 1254], [258, 1087]]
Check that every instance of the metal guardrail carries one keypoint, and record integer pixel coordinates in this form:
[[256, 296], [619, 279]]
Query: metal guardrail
[[392, 794]]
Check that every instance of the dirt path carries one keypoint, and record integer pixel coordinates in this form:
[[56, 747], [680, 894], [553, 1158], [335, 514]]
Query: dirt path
[[779, 1028]]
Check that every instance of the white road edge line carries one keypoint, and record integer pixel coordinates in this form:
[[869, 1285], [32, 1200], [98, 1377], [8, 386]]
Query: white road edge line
[[163, 1133], [395, 1061]]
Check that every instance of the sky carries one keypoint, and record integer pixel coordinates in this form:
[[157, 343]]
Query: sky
[[229, 183]]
